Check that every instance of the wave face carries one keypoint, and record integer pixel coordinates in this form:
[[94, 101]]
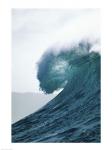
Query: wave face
[[74, 114]]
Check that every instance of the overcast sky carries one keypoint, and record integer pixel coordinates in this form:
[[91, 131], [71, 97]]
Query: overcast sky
[[34, 30]]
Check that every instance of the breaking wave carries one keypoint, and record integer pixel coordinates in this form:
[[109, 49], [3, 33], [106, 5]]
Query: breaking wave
[[74, 114]]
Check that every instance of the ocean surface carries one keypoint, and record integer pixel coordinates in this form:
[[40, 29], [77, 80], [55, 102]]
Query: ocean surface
[[73, 116]]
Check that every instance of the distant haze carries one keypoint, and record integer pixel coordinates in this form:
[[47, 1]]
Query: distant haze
[[24, 104]]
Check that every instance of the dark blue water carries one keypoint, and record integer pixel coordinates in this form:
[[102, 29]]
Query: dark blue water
[[73, 115]]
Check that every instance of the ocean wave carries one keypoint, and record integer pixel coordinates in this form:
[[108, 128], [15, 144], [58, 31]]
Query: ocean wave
[[74, 114]]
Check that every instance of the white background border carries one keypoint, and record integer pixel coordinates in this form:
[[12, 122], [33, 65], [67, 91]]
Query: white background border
[[5, 71]]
